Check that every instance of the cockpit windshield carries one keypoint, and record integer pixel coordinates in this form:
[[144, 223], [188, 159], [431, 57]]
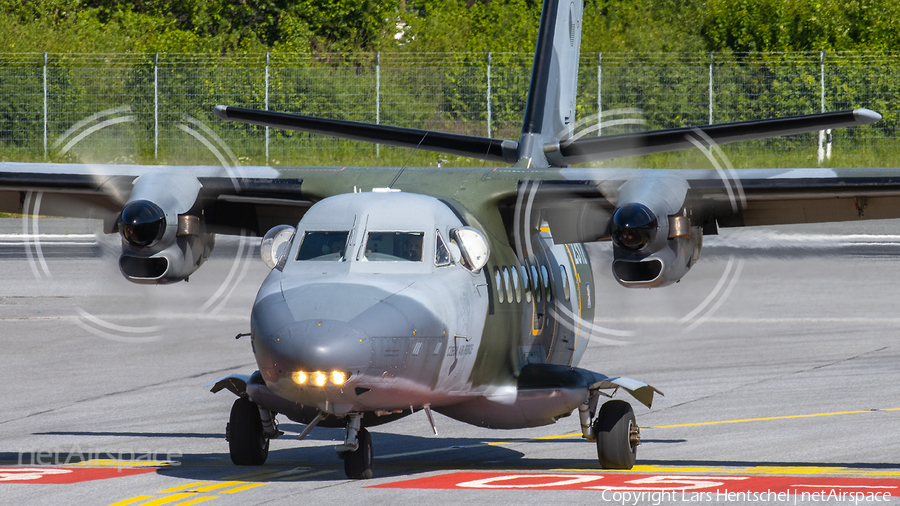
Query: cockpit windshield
[[323, 246], [394, 246]]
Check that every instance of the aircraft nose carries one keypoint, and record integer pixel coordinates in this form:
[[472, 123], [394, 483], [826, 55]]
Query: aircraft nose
[[285, 346], [361, 328], [324, 345]]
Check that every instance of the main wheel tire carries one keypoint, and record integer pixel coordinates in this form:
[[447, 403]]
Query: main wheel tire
[[613, 428], [360, 464], [247, 443]]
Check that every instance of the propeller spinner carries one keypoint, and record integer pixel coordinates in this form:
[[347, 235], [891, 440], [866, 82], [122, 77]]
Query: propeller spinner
[[142, 223]]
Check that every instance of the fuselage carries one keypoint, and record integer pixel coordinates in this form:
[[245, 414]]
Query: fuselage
[[374, 307]]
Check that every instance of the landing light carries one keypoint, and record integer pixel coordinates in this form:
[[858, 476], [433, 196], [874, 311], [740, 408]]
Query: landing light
[[320, 379]]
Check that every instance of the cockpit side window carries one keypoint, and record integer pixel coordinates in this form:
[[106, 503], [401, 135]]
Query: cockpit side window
[[323, 246], [394, 246], [441, 253]]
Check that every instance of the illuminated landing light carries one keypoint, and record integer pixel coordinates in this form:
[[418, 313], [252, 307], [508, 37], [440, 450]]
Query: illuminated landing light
[[320, 379]]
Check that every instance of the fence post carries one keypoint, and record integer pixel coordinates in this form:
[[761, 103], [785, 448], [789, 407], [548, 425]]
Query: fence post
[[821, 150], [45, 106], [267, 106], [824, 135], [489, 94], [710, 88], [599, 94], [378, 98], [156, 106]]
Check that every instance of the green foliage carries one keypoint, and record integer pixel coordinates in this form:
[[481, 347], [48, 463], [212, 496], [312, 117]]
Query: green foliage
[[623, 25], [479, 26], [801, 25], [217, 26], [472, 27]]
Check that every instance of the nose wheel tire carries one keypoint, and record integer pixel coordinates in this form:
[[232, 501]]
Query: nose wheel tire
[[247, 443], [359, 464], [618, 435]]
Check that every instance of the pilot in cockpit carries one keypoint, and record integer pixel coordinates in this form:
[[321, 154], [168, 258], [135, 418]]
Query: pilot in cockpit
[[414, 249]]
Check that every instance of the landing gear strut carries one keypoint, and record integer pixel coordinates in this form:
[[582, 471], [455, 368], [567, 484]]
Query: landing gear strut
[[618, 435], [247, 441], [357, 450]]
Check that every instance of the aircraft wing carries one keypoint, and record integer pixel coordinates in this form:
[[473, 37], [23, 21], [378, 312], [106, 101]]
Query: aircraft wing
[[168, 216], [656, 218], [243, 200], [778, 197], [728, 198]]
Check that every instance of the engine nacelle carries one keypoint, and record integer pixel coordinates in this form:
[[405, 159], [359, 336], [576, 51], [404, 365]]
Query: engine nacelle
[[654, 242], [161, 241], [664, 266]]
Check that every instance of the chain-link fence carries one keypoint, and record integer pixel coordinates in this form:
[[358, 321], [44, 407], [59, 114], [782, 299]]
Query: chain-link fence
[[158, 108]]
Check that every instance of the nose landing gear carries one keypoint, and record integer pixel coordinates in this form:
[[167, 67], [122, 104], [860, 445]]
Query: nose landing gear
[[357, 450], [359, 464]]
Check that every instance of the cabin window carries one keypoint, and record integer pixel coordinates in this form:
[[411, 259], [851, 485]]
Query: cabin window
[[517, 287], [498, 284], [526, 286], [323, 246], [536, 283], [565, 281], [545, 277], [509, 292], [441, 253], [394, 246]]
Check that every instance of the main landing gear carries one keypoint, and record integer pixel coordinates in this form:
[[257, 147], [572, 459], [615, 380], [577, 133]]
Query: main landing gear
[[616, 432], [248, 433]]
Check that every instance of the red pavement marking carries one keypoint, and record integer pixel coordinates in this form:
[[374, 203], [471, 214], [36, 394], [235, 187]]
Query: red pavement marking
[[696, 487], [57, 475]]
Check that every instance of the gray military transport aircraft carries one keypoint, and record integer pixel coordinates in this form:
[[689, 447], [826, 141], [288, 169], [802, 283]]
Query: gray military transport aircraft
[[466, 291]]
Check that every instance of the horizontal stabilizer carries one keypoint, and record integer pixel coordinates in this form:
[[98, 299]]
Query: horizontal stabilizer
[[593, 149], [483, 148]]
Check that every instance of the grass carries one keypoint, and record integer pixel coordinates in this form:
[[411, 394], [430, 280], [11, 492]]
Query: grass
[[332, 152]]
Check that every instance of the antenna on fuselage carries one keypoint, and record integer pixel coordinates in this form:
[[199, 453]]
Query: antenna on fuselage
[[406, 163]]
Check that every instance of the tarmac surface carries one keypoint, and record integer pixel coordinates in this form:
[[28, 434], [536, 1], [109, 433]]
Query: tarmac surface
[[778, 355]]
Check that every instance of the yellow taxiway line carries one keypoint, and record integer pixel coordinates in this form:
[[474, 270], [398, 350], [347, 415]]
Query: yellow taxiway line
[[740, 420], [785, 417]]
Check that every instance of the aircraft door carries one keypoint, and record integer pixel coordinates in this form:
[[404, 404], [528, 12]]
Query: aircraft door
[[540, 322], [566, 300]]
